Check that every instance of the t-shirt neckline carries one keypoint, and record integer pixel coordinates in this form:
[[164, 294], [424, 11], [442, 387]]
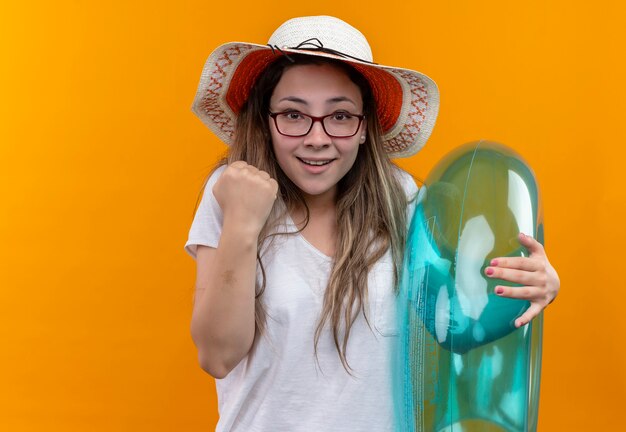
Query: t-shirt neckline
[[315, 250]]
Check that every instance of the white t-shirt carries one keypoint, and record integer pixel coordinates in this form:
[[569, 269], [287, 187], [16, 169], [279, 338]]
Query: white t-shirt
[[279, 386]]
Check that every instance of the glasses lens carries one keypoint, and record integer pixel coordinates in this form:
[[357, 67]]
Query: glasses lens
[[293, 123], [341, 124]]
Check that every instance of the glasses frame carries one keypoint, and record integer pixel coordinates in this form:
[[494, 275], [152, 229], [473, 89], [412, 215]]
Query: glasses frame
[[314, 119]]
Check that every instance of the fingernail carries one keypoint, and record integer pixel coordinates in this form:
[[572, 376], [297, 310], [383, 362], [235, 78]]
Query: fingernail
[[499, 290], [494, 262], [489, 271]]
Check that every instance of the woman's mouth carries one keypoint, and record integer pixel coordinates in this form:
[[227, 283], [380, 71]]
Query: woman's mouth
[[315, 162]]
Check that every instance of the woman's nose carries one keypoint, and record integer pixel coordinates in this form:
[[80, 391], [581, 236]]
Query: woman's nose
[[317, 136]]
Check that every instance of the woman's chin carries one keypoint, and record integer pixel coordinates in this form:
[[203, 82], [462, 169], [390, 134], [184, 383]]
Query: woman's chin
[[318, 191]]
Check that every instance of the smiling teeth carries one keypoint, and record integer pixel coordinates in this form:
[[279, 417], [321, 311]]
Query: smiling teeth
[[316, 163]]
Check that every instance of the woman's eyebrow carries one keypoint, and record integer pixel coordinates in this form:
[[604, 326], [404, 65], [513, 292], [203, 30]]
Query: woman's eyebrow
[[294, 99], [329, 101], [340, 99]]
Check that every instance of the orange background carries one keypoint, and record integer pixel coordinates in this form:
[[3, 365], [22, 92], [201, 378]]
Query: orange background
[[101, 162]]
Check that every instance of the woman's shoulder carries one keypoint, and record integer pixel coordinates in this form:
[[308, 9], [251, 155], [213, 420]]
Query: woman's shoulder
[[211, 179], [406, 180], [217, 172]]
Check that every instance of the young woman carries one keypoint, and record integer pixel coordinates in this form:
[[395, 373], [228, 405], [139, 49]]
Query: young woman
[[300, 231]]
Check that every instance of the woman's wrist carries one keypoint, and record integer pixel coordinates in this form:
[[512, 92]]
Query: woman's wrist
[[242, 234]]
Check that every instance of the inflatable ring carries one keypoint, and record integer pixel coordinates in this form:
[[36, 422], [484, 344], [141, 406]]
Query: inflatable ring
[[461, 364]]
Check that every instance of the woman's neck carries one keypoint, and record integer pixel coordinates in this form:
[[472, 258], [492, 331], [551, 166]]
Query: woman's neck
[[323, 206], [321, 228]]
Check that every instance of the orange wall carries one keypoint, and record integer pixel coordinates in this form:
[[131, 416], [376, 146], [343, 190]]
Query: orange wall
[[101, 161]]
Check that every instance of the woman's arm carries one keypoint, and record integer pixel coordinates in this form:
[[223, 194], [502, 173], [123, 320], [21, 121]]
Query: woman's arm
[[222, 324]]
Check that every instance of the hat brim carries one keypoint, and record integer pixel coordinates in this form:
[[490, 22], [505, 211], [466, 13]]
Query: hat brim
[[407, 101]]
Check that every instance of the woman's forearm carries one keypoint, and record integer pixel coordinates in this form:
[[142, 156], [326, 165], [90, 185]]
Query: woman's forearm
[[222, 324]]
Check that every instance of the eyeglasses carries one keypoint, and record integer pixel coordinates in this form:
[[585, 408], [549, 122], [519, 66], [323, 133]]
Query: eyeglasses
[[340, 124]]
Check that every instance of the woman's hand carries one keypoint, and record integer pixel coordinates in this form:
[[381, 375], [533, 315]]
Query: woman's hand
[[540, 280], [245, 195]]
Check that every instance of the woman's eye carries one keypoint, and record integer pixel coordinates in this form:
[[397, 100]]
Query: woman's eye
[[293, 116], [341, 116]]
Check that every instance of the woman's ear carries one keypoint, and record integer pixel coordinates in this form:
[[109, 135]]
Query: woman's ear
[[363, 132]]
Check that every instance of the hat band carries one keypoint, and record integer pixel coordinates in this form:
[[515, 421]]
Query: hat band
[[319, 47]]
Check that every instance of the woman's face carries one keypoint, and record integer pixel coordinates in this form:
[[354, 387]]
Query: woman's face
[[316, 162]]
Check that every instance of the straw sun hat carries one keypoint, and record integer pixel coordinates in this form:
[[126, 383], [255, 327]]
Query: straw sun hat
[[407, 101]]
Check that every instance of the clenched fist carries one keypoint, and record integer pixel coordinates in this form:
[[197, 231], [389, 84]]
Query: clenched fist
[[246, 196]]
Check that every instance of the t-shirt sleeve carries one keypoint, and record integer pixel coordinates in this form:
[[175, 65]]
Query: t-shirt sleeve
[[206, 227]]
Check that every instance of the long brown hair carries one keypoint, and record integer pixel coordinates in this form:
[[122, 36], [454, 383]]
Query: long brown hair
[[371, 204]]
